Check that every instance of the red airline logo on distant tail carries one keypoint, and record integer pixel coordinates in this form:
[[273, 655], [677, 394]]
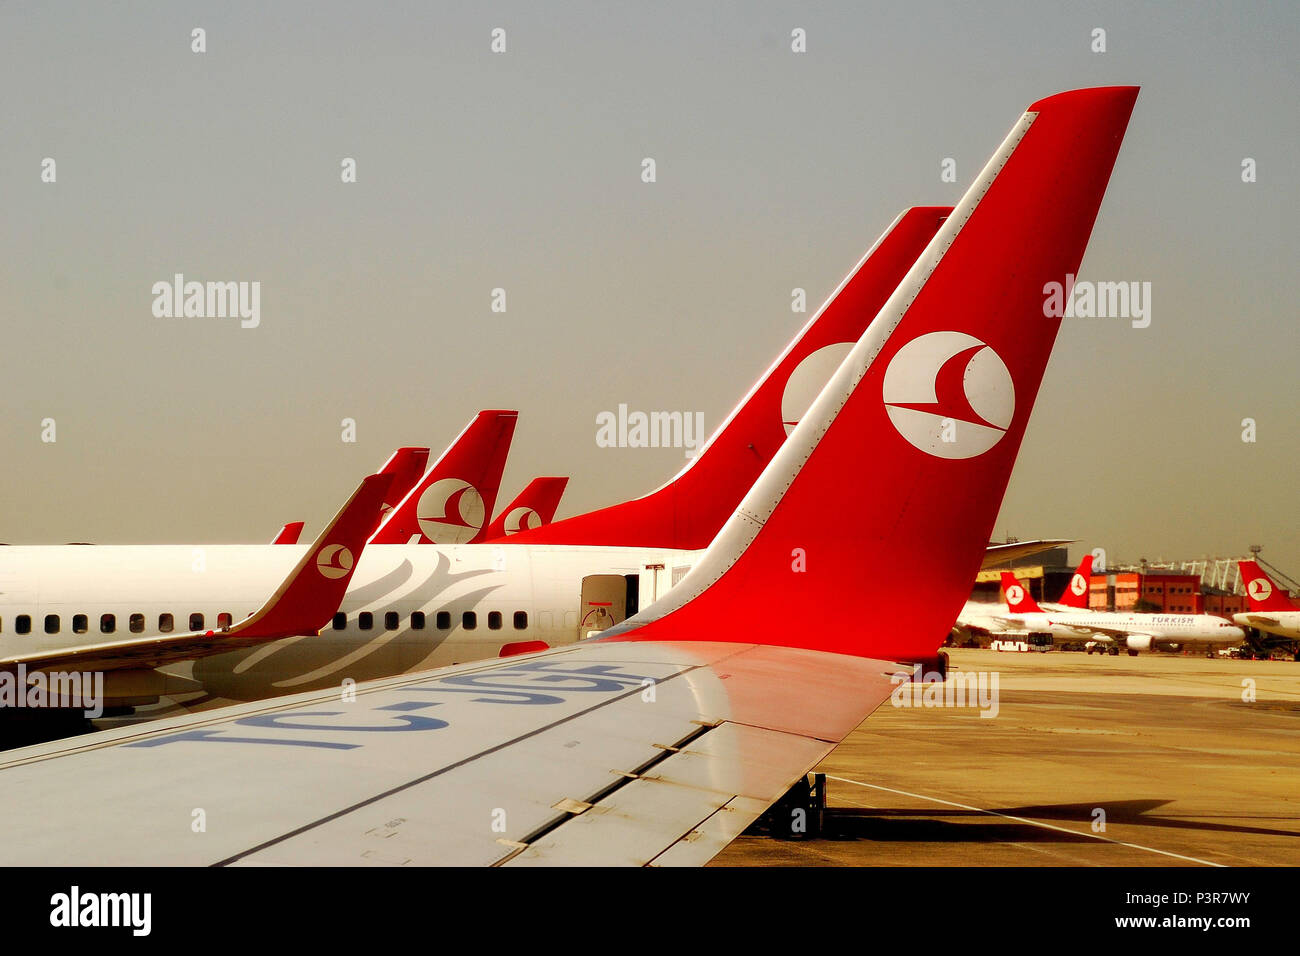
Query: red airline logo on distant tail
[[1260, 589], [521, 519]]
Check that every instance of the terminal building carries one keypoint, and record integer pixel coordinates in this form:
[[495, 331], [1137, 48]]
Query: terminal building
[[1139, 589]]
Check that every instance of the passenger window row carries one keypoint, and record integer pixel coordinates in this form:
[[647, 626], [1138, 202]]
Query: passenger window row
[[441, 621], [365, 622], [108, 623]]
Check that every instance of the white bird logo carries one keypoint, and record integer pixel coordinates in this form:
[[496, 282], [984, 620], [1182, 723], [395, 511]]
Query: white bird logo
[[334, 561], [949, 394]]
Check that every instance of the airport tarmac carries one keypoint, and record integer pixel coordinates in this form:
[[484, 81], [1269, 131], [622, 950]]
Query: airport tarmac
[[1185, 771]]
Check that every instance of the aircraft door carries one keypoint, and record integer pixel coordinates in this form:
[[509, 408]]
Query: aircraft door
[[604, 603]]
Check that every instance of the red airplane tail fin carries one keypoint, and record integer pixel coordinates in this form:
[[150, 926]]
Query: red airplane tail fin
[[533, 508], [405, 466], [1018, 598], [1076, 592], [1261, 592], [904, 457], [451, 504], [689, 510], [289, 533]]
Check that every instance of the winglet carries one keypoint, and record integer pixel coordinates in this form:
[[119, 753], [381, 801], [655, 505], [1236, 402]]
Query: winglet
[[1261, 592], [1018, 598], [1076, 592], [288, 534], [307, 599]]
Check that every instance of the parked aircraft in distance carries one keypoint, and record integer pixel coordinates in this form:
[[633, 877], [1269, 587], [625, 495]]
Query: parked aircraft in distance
[[1272, 612], [1136, 632]]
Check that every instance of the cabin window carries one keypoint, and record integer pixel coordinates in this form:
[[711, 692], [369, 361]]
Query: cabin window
[[340, 621], [23, 624], [80, 624], [107, 623], [417, 620], [494, 620], [521, 620], [136, 623], [196, 621], [443, 620], [365, 620], [390, 621], [51, 624], [166, 623], [469, 620]]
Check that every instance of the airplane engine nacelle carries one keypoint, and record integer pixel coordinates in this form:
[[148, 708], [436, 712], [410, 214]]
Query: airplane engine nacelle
[[1138, 642]]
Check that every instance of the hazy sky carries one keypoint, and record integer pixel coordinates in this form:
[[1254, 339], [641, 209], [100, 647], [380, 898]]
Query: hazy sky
[[522, 170]]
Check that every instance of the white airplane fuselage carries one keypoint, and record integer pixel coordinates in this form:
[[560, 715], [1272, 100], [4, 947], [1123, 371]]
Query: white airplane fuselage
[[475, 601], [1281, 623], [1137, 631]]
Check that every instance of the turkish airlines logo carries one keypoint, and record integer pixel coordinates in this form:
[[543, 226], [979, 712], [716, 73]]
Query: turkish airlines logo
[[334, 561], [1260, 589], [450, 511], [949, 394], [1015, 594], [522, 519], [807, 381], [1078, 585]]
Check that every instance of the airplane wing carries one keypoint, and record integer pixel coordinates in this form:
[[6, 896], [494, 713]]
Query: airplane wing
[[1112, 633], [601, 752], [661, 738], [994, 625], [301, 605], [1258, 620], [998, 555]]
